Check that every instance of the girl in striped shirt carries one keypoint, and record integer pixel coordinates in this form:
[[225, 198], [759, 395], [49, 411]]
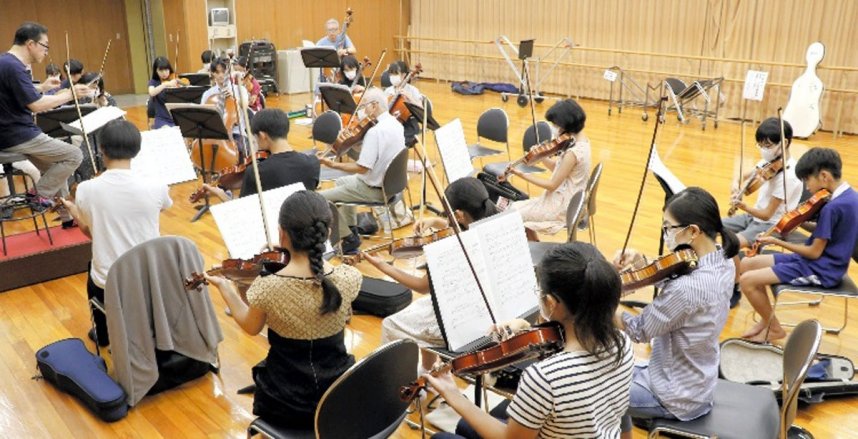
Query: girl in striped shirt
[[582, 391]]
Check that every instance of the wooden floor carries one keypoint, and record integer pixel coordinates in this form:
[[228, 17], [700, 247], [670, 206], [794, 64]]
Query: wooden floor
[[34, 316]]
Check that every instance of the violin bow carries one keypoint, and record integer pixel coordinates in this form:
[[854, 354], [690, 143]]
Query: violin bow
[[783, 156], [359, 74], [658, 117], [77, 107], [532, 103], [451, 218], [742, 147]]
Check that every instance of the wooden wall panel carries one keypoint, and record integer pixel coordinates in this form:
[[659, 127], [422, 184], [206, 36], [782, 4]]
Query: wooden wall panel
[[89, 23]]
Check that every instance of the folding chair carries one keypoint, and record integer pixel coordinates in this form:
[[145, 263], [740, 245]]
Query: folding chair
[[574, 213], [592, 189], [363, 402], [681, 95], [746, 411], [326, 128], [528, 141], [493, 125]]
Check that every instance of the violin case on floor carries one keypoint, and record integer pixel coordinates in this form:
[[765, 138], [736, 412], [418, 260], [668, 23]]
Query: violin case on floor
[[500, 189], [381, 298], [69, 366], [748, 362]]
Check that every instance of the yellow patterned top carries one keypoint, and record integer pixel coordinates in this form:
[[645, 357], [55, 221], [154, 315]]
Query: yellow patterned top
[[292, 303]]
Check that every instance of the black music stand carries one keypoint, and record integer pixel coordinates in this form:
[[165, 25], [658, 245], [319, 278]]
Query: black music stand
[[431, 124], [320, 58], [200, 123], [184, 95], [525, 49], [50, 122], [197, 79], [338, 98]]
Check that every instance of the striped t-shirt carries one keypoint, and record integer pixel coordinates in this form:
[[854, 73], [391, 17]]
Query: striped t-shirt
[[575, 394]]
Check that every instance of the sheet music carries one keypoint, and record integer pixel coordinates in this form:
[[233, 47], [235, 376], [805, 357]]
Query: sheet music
[[658, 168], [164, 157], [462, 309], [453, 148], [240, 221], [501, 257], [755, 85], [95, 120], [511, 277]]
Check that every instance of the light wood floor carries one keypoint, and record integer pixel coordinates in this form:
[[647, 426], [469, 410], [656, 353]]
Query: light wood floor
[[34, 316]]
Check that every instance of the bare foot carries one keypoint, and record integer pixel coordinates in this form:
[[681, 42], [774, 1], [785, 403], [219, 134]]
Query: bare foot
[[755, 330], [775, 333]]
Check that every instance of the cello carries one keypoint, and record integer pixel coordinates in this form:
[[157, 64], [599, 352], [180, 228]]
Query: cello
[[218, 153], [397, 102]]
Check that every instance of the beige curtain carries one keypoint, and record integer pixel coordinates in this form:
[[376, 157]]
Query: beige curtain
[[759, 30]]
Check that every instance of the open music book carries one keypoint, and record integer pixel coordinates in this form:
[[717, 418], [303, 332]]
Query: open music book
[[453, 148], [499, 252], [662, 171], [164, 157]]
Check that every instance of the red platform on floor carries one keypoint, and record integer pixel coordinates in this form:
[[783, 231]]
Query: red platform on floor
[[31, 258]]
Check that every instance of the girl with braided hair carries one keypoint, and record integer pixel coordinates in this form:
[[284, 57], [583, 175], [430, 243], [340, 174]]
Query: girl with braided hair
[[306, 306]]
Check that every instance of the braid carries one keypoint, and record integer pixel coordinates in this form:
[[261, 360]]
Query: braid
[[332, 299]]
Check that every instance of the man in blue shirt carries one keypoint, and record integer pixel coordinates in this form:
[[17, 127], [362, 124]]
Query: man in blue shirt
[[822, 260], [19, 99], [342, 43]]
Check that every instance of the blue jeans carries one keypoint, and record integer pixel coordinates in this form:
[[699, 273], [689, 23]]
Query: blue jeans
[[642, 401]]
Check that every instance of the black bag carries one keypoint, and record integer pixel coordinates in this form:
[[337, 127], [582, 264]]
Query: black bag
[[175, 369], [500, 189], [68, 365], [366, 224], [381, 298]]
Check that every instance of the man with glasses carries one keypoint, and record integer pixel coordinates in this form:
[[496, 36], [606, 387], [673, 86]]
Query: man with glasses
[[19, 99], [770, 205], [381, 144], [332, 38]]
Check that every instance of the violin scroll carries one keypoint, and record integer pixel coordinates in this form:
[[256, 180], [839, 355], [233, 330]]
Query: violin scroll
[[195, 281]]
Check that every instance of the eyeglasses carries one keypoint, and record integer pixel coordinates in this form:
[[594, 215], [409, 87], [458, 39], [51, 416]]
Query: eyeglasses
[[665, 227], [43, 45]]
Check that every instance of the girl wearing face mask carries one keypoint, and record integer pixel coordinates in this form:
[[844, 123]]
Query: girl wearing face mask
[[582, 391], [770, 206], [684, 321], [352, 77], [397, 71], [569, 173]]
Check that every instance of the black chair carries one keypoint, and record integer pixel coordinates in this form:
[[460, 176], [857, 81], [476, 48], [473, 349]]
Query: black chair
[[362, 403], [493, 125], [528, 141], [326, 128], [14, 201], [574, 212], [744, 411], [385, 79]]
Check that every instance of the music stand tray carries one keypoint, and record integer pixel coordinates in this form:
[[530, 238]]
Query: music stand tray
[[50, 122], [200, 122], [338, 98], [417, 112], [184, 95], [320, 57], [198, 79], [525, 49]]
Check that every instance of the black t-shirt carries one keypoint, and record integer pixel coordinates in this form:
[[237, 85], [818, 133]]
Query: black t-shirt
[[16, 92], [283, 169]]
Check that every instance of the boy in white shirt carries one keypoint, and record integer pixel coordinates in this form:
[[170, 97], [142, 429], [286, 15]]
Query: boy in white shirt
[[117, 210]]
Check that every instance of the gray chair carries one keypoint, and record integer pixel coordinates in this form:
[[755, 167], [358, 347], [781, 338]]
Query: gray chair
[[573, 215], [528, 141], [592, 190], [746, 411], [392, 188], [363, 402], [493, 125]]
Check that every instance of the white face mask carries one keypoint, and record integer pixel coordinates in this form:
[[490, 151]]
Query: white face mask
[[670, 238], [395, 80], [350, 75], [770, 154], [543, 311], [361, 114]]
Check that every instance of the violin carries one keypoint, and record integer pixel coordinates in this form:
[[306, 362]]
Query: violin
[[397, 106], [794, 218], [761, 175], [241, 269], [543, 150], [349, 137], [536, 343], [402, 248], [672, 264], [231, 177]]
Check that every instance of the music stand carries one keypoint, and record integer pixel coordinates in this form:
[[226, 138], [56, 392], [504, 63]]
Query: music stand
[[417, 112], [50, 122], [201, 122], [197, 79], [184, 95], [525, 49], [319, 58], [338, 98]]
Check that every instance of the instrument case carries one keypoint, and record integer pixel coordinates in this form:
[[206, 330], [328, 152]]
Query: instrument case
[[381, 298]]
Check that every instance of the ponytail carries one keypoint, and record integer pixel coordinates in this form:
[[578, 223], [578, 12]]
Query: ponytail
[[730, 243]]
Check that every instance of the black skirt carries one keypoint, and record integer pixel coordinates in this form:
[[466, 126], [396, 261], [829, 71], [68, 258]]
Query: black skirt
[[292, 379]]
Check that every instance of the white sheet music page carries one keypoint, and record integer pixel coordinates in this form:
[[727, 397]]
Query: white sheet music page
[[164, 157], [240, 221], [460, 304], [511, 276], [95, 120], [453, 148], [660, 169]]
